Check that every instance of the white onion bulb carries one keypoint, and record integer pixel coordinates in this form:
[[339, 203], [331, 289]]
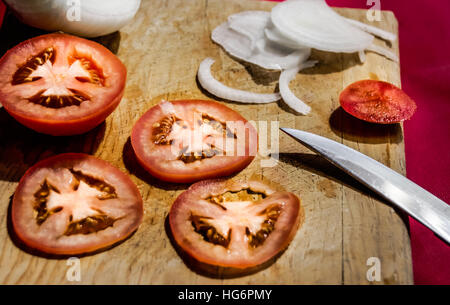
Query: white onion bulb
[[88, 18]]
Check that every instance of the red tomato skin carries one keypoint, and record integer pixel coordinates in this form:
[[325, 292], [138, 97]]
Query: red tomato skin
[[239, 265], [74, 250], [66, 127], [220, 172], [240, 162], [377, 102]]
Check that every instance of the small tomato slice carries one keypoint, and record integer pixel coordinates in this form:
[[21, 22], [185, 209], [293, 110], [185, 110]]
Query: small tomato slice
[[75, 203], [60, 84], [190, 140], [235, 224], [377, 102]]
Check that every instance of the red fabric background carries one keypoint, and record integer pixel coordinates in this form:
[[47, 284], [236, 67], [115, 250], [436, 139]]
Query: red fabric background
[[424, 28], [424, 36], [2, 12]]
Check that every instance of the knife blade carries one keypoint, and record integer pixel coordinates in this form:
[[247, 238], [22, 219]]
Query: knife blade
[[402, 192]]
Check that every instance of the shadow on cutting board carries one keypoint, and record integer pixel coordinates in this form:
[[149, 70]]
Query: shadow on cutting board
[[328, 62], [133, 166], [23, 147], [322, 167], [356, 130], [13, 31]]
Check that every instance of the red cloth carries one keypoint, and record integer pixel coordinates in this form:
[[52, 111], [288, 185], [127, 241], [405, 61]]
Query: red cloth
[[424, 36], [424, 29]]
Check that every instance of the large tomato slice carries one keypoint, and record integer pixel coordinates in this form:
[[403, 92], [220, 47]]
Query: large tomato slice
[[190, 140], [235, 224], [377, 102], [75, 203], [60, 84]]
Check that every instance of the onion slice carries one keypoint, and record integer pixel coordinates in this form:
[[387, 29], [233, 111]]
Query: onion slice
[[383, 51], [288, 97], [373, 30], [276, 37], [249, 23], [312, 23], [213, 86], [243, 37]]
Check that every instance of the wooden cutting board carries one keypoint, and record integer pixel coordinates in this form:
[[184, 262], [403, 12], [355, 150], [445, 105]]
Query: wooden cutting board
[[345, 224]]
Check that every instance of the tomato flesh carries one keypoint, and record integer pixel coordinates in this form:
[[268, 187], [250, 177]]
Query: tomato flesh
[[377, 102], [235, 224], [60, 84], [73, 204], [190, 140]]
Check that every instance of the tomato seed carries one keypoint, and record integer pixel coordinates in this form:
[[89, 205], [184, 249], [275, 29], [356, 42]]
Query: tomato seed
[[22, 74]]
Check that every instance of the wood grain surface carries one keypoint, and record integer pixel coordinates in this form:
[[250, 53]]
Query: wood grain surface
[[345, 224]]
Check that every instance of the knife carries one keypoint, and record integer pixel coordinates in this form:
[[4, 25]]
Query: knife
[[408, 196]]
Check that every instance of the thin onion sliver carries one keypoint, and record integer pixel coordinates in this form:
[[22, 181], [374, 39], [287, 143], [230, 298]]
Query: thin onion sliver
[[288, 96], [383, 51], [213, 86], [362, 56], [373, 30]]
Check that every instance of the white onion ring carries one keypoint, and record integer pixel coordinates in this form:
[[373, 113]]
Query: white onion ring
[[383, 51], [243, 37], [288, 97], [273, 35], [312, 23], [373, 30], [213, 86]]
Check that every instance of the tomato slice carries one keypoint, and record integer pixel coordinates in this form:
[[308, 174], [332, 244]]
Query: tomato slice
[[60, 84], [377, 102], [75, 203], [191, 140], [236, 224]]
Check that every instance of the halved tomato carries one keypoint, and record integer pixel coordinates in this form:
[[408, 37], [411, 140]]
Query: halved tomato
[[60, 84], [234, 224], [190, 140], [73, 204], [377, 102]]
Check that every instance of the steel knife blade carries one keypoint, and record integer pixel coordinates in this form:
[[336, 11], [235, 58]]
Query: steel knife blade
[[408, 196]]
